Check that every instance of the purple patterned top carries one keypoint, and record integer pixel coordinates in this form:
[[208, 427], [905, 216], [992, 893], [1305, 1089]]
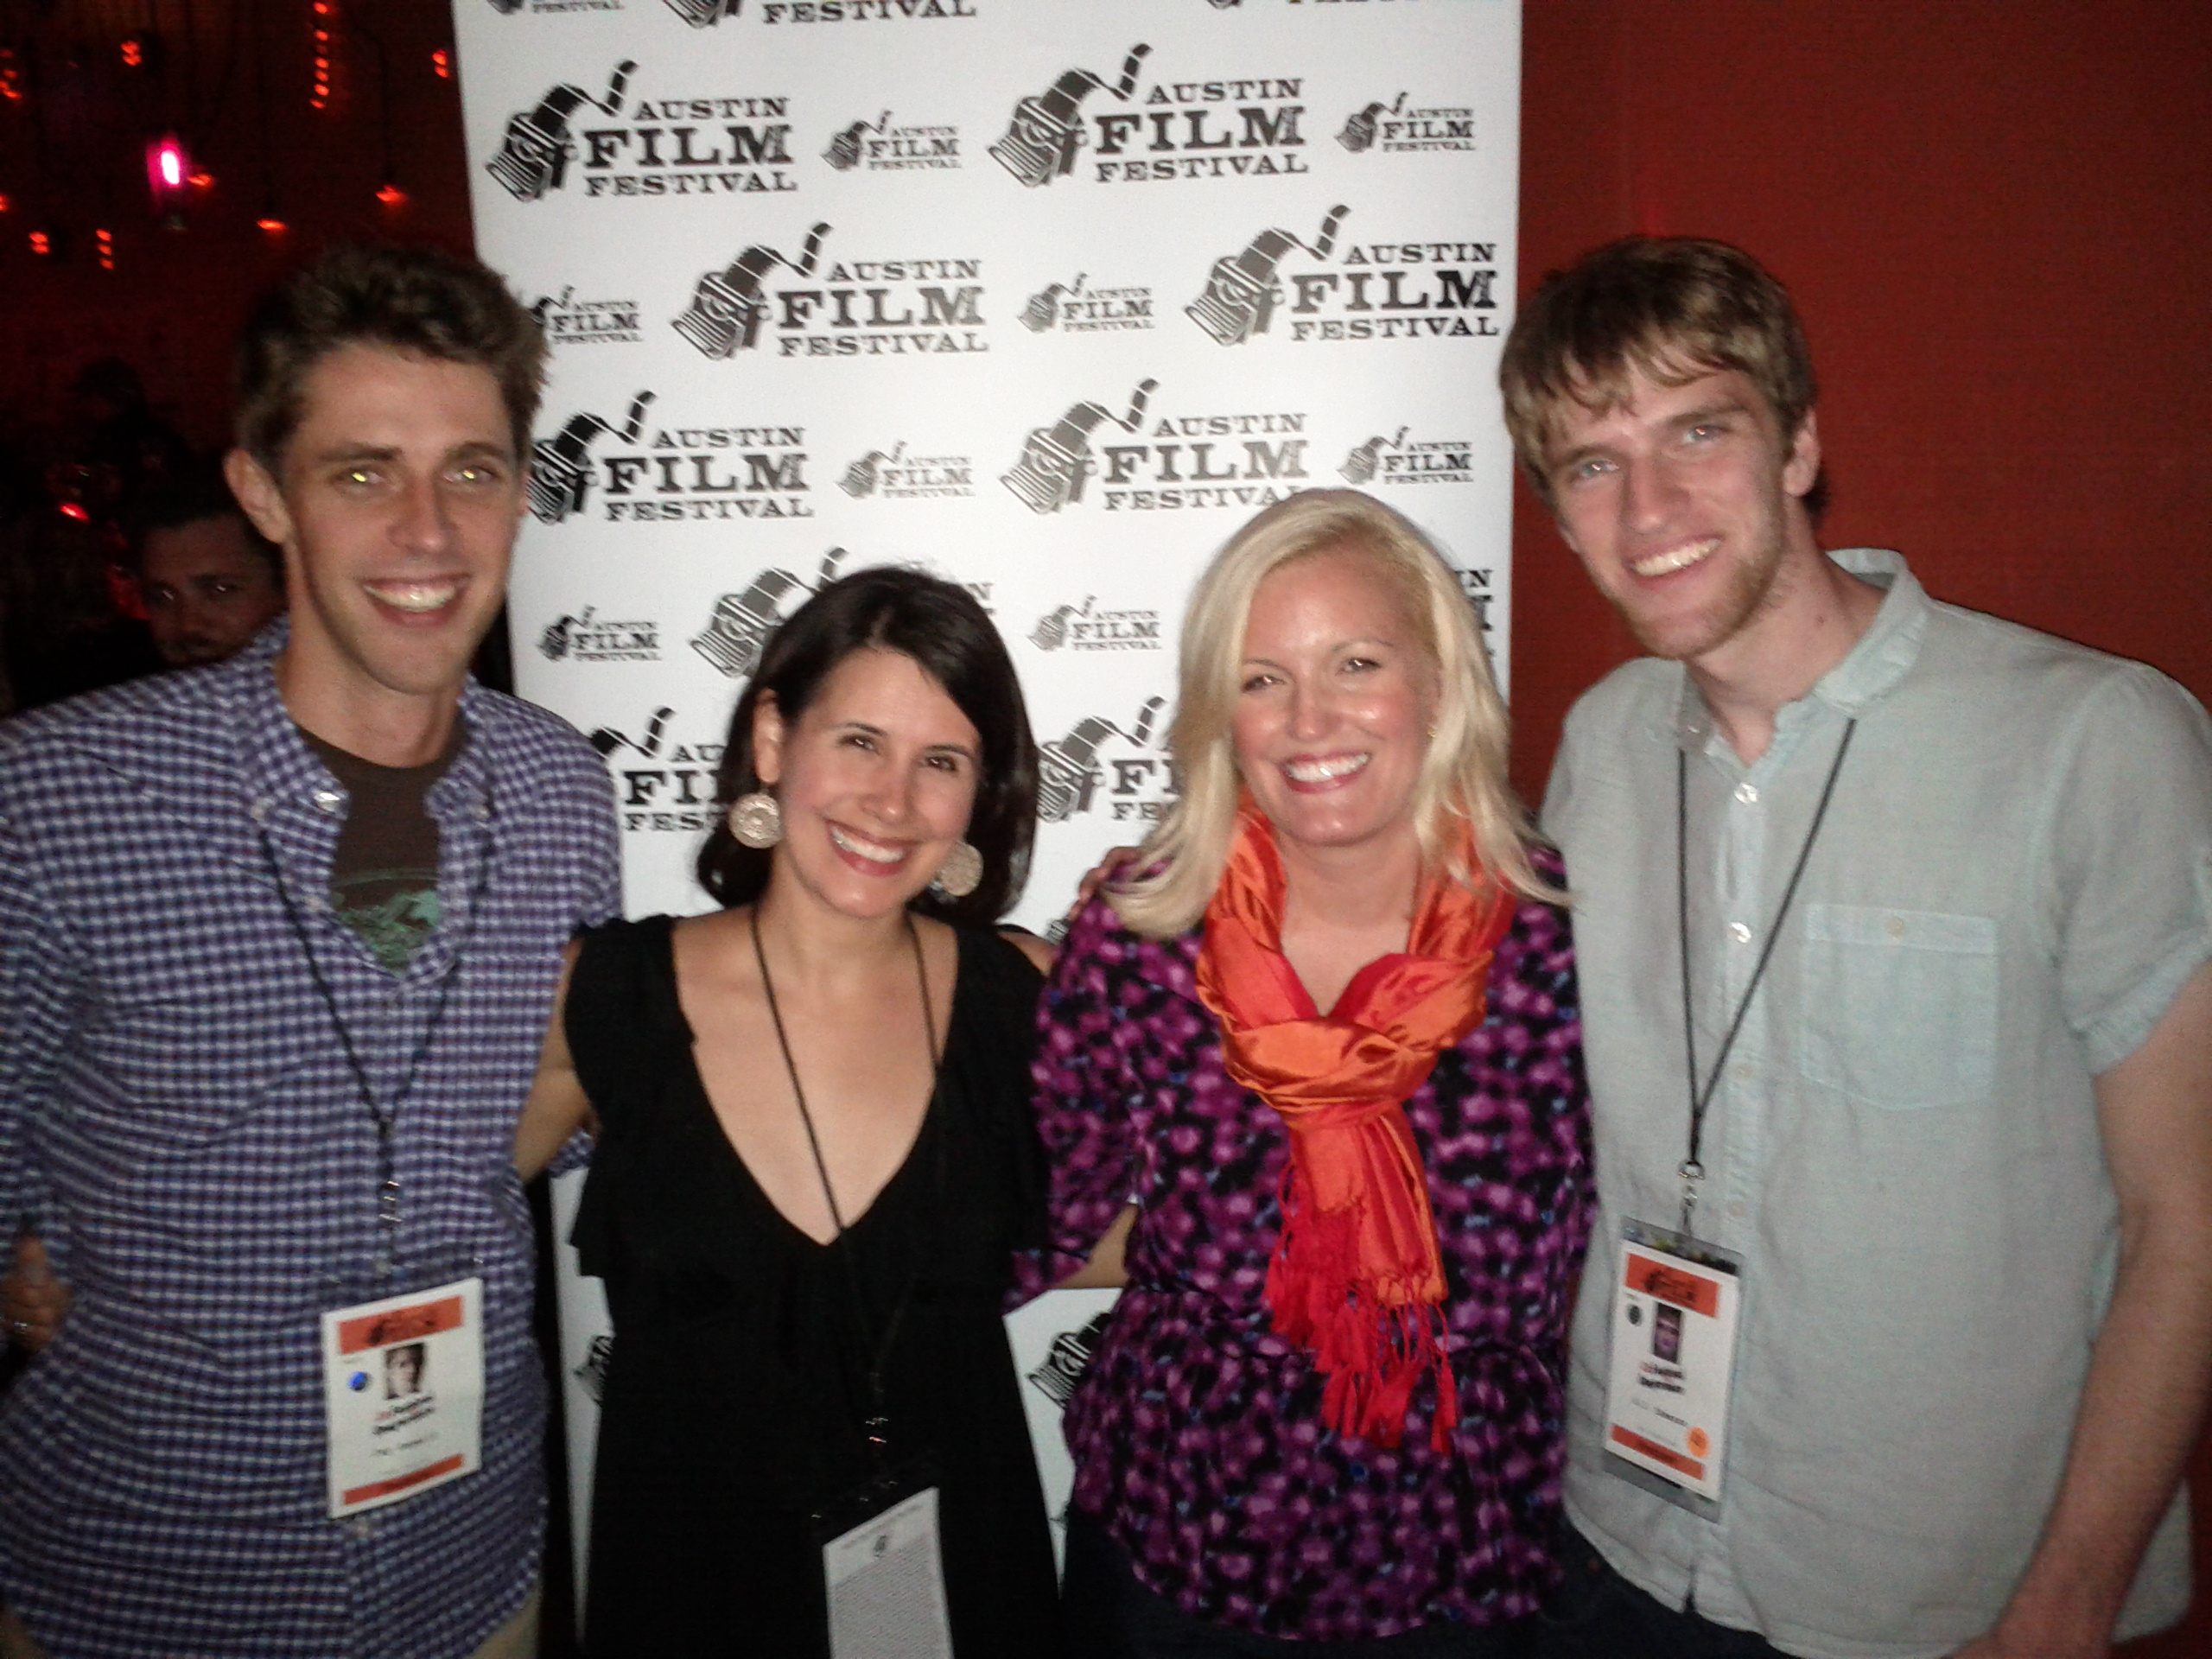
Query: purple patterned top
[[1196, 1432]]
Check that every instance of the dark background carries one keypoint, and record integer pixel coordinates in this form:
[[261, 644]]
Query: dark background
[[1996, 216]]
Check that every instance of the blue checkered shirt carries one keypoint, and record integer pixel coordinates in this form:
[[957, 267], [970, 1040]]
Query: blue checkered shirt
[[177, 1111]]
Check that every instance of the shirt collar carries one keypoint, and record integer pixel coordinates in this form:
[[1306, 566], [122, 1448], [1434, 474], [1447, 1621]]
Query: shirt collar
[[285, 769], [1882, 656]]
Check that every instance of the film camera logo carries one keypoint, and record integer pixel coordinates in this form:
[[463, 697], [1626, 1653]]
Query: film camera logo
[[856, 307], [674, 473], [586, 636], [1129, 766], [667, 147], [705, 14], [741, 623], [660, 786], [1392, 460], [1075, 309], [1057, 459], [1393, 127], [877, 147], [897, 476], [1085, 627], [569, 320], [1380, 290], [1069, 1356]]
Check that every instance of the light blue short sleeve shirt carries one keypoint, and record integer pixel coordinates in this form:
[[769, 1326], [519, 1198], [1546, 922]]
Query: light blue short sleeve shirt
[[2013, 880]]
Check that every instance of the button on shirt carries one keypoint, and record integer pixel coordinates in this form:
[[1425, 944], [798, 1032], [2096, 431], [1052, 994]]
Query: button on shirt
[[176, 1107], [2013, 880]]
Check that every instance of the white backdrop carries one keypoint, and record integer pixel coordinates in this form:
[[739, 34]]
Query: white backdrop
[[1045, 295]]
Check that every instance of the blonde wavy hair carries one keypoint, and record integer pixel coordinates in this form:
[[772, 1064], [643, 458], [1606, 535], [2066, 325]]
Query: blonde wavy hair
[[1462, 777]]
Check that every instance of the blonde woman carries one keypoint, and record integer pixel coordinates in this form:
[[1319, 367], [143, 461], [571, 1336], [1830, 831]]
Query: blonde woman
[[1328, 1039]]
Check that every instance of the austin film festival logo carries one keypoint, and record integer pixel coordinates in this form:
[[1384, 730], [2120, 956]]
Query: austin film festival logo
[[1392, 459], [541, 7], [660, 785], [1240, 127], [587, 637], [879, 146], [1381, 290], [1393, 127], [1075, 309], [569, 320], [894, 474], [1244, 460], [1085, 627], [670, 473], [1097, 764], [742, 621], [855, 308], [690, 146], [861, 11]]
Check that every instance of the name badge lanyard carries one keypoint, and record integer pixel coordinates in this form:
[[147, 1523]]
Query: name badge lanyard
[[878, 1422], [1691, 1170], [384, 1118]]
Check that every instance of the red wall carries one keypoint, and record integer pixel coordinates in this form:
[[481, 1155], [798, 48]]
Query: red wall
[[1997, 221]]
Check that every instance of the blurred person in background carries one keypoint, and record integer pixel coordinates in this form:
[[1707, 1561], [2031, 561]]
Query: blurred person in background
[[209, 579]]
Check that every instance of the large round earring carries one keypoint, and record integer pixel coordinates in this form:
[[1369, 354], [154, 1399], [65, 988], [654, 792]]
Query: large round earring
[[756, 820], [961, 873]]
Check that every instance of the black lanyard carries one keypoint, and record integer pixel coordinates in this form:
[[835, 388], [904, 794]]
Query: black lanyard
[[878, 1423], [385, 1120], [1691, 1171]]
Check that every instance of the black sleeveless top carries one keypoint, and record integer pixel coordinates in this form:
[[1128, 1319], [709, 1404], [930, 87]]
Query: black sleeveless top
[[736, 1391]]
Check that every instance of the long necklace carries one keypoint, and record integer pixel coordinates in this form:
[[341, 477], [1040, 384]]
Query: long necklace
[[878, 1424]]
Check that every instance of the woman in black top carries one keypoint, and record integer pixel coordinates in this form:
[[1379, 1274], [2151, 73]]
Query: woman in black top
[[815, 1158]]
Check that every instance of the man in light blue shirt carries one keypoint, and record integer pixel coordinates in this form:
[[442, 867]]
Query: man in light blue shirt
[[1949, 882]]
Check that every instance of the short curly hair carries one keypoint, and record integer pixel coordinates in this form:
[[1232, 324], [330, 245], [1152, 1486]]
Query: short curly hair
[[421, 300]]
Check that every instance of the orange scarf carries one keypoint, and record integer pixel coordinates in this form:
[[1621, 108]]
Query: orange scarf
[[1357, 1275]]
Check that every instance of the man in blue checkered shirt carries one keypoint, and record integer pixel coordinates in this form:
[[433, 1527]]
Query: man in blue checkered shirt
[[277, 940]]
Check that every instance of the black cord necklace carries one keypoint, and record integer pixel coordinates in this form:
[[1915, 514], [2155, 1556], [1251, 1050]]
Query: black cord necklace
[[878, 1424]]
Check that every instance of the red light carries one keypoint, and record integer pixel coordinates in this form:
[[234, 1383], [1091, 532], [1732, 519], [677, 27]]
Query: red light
[[274, 226], [41, 244], [443, 62], [201, 181], [134, 55], [76, 510], [166, 167], [104, 245], [7, 204], [391, 195]]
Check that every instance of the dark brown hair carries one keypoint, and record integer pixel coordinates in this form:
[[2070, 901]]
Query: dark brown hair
[[946, 632], [420, 301], [1673, 307]]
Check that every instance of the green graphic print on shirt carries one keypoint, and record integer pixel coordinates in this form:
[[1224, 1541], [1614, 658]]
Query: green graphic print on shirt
[[393, 911]]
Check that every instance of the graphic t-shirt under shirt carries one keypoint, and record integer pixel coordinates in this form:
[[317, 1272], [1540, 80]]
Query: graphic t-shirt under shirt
[[384, 877]]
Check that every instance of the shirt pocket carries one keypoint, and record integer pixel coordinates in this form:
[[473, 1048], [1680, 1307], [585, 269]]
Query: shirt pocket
[[1900, 1006]]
